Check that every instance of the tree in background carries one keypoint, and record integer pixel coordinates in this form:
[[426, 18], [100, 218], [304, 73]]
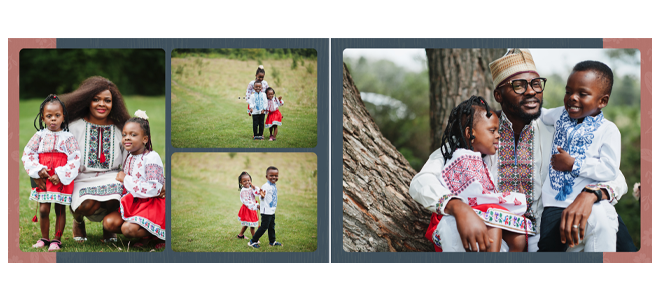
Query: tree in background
[[48, 71], [379, 214], [454, 76]]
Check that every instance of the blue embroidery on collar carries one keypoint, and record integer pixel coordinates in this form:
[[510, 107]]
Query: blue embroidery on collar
[[575, 139]]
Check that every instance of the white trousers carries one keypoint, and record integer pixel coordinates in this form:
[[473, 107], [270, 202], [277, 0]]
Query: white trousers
[[600, 233]]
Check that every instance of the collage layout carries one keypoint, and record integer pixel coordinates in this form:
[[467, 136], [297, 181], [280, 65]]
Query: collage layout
[[206, 152]]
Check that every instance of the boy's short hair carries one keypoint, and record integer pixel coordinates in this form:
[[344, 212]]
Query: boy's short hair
[[258, 81], [601, 69], [271, 168]]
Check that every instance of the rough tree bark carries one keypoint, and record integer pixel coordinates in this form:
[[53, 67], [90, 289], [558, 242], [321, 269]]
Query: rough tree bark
[[379, 214], [454, 76]]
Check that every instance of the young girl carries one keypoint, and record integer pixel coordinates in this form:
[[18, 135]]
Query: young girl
[[274, 118], [141, 212], [52, 155], [471, 133], [258, 105], [247, 215], [259, 76]]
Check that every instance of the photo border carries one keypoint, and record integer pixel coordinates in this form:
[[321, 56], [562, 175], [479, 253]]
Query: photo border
[[338, 255]]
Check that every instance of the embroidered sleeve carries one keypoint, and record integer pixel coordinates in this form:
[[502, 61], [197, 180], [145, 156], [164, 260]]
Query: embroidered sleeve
[[426, 188], [247, 198], [266, 200], [147, 180], [248, 92], [69, 171], [31, 156], [603, 165], [251, 103]]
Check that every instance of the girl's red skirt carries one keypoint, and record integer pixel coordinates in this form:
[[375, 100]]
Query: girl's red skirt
[[60, 194], [274, 119], [248, 217], [149, 213]]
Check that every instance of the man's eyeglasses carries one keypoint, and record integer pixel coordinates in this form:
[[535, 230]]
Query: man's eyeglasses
[[519, 86]]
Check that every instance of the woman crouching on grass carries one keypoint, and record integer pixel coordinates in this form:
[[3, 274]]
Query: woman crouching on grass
[[98, 113], [141, 211]]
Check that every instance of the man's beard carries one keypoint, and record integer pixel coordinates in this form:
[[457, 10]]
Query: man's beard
[[519, 113]]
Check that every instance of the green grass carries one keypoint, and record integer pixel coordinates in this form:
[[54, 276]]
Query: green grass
[[205, 201], [206, 111], [30, 232]]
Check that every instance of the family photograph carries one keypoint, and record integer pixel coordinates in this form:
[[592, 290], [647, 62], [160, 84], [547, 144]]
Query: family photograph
[[244, 98], [496, 150], [92, 136]]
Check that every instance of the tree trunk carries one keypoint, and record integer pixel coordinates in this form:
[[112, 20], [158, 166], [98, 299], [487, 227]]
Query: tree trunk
[[454, 76], [379, 214]]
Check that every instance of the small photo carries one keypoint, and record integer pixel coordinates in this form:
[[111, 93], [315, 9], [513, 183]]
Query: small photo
[[448, 149], [92, 149], [244, 202], [244, 98]]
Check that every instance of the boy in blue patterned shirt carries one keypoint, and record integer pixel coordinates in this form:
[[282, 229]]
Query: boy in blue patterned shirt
[[268, 206]]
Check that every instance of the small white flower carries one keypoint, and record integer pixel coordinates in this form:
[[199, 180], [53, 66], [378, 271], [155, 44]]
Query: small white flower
[[141, 114], [637, 190]]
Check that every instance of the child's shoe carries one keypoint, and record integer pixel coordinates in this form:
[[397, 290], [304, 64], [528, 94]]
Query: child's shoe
[[271, 138], [54, 245], [241, 237], [253, 244], [276, 243], [41, 243], [254, 137]]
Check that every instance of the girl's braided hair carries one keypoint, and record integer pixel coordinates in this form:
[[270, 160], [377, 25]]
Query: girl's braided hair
[[460, 118], [144, 125], [239, 179], [51, 99]]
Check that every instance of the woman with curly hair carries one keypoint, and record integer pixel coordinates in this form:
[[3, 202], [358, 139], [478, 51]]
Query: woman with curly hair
[[97, 112]]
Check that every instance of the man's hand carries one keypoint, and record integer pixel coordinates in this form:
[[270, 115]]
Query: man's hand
[[562, 161], [471, 228], [575, 217]]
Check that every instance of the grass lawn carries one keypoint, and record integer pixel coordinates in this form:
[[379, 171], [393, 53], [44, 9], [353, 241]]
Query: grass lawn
[[206, 111], [30, 232], [205, 201]]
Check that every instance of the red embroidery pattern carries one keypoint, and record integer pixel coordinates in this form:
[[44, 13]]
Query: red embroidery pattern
[[155, 172], [464, 171], [71, 145], [71, 166], [517, 165], [49, 143], [501, 200], [33, 144], [516, 202], [67, 174], [136, 189], [138, 174], [472, 201], [144, 190]]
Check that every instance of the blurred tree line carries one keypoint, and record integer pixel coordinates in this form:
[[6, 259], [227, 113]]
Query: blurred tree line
[[59, 71], [398, 101], [248, 53]]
